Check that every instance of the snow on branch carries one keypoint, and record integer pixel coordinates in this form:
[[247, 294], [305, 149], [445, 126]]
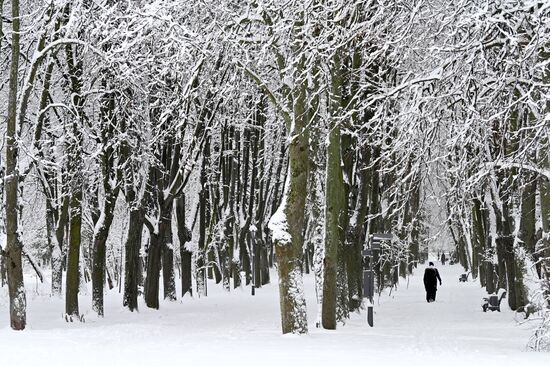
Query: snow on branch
[[262, 85]]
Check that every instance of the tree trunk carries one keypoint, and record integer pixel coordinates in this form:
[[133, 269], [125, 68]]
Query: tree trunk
[[527, 231], [99, 252], [288, 221], [55, 250], [132, 259], [184, 236], [478, 238], [204, 215], [16, 287], [73, 274], [544, 249], [169, 284], [153, 271], [334, 205]]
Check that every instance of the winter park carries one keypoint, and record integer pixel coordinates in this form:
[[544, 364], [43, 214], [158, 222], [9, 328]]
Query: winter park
[[265, 181]]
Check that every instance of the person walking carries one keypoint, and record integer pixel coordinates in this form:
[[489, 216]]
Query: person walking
[[443, 258], [431, 276]]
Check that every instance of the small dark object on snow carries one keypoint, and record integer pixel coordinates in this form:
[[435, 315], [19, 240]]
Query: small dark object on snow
[[463, 277], [493, 302], [528, 309]]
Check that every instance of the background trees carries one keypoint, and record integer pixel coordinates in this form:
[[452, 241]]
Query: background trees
[[213, 139]]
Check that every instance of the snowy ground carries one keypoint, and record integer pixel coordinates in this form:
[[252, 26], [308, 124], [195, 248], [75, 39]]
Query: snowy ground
[[237, 328]]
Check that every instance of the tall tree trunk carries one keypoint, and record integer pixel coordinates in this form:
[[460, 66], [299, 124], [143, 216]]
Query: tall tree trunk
[[288, 222], [73, 273], [204, 215], [16, 287], [169, 284], [334, 203], [101, 233], [544, 190], [184, 236]]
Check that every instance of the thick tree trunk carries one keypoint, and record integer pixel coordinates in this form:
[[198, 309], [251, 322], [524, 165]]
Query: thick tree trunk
[[16, 287], [334, 201], [132, 268], [527, 231], [544, 249], [99, 252], [153, 271], [288, 234], [73, 258], [544, 190]]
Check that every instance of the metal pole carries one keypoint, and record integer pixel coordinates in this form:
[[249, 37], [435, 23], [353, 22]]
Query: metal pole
[[253, 233], [370, 312]]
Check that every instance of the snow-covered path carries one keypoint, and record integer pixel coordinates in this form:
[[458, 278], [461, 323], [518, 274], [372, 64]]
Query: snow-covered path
[[237, 328]]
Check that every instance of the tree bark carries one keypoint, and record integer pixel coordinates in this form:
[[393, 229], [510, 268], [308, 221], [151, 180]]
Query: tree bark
[[184, 236], [289, 250], [99, 251], [132, 272], [165, 232], [334, 204], [527, 231], [153, 270], [73, 273], [16, 287]]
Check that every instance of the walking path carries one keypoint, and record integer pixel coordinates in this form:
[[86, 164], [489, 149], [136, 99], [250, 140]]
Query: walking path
[[238, 329]]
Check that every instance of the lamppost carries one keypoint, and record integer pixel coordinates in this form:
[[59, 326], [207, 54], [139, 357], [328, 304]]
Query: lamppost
[[253, 230]]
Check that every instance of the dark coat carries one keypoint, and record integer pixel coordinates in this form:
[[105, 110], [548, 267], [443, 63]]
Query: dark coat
[[431, 276]]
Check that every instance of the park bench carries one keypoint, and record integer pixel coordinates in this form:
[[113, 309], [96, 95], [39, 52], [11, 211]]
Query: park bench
[[493, 302], [463, 277]]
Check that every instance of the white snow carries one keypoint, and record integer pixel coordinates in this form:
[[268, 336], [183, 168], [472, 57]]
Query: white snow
[[236, 328], [278, 223]]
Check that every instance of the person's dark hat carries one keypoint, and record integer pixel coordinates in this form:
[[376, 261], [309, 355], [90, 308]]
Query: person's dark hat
[[431, 263]]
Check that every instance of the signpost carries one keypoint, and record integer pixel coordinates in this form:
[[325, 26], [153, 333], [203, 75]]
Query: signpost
[[368, 274]]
